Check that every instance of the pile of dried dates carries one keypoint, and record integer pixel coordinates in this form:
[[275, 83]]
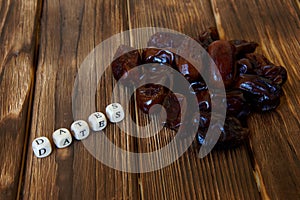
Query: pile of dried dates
[[252, 82]]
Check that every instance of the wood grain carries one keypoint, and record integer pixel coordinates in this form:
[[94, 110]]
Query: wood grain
[[18, 31], [37, 72], [275, 135], [222, 174], [69, 31]]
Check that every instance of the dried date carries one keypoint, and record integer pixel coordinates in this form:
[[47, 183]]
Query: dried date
[[125, 59], [187, 69], [222, 52], [154, 55], [262, 93], [149, 95], [237, 106], [243, 47]]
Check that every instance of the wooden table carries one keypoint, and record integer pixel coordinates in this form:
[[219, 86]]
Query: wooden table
[[43, 44]]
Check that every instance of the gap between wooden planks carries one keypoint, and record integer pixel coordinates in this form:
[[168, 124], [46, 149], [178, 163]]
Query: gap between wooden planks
[[18, 28]]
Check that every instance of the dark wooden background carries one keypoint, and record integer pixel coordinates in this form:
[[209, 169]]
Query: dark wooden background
[[43, 43]]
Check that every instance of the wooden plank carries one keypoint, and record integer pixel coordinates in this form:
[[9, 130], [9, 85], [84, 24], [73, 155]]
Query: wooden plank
[[220, 175], [18, 31], [70, 30], [275, 136]]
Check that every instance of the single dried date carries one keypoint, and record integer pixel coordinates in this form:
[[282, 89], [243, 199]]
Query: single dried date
[[263, 67], [187, 69], [223, 54], [262, 93], [175, 105], [277, 74], [149, 95], [125, 59]]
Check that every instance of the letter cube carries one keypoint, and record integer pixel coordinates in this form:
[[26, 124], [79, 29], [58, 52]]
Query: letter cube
[[41, 147], [115, 112], [80, 129], [97, 121], [62, 138]]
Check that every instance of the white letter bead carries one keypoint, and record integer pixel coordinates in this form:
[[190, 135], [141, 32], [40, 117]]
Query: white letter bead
[[62, 138], [41, 147], [97, 121], [80, 129], [115, 112]]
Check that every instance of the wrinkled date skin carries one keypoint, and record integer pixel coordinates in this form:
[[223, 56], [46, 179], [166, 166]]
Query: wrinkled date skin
[[243, 47], [187, 69], [124, 62], [237, 106], [258, 60], [175, 106], [265, 68], [149, 95], [154, 55], [260, 92], [277, 74], [222, 52]]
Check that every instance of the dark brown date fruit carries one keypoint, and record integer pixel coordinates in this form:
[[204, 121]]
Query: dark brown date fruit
[[208, 36], [260, 92], [149, 95], [244, 66], [243, 47], [258, 60], [175, 105], [187, 69], [237, 106], [277, 74], [197, 86], [204, 101], [154, 55], [124, 62], [202, 120], [222, 52], [232, 133]]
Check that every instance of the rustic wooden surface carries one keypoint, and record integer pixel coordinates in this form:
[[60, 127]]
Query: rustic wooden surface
[[18, 32], [43, 44]]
